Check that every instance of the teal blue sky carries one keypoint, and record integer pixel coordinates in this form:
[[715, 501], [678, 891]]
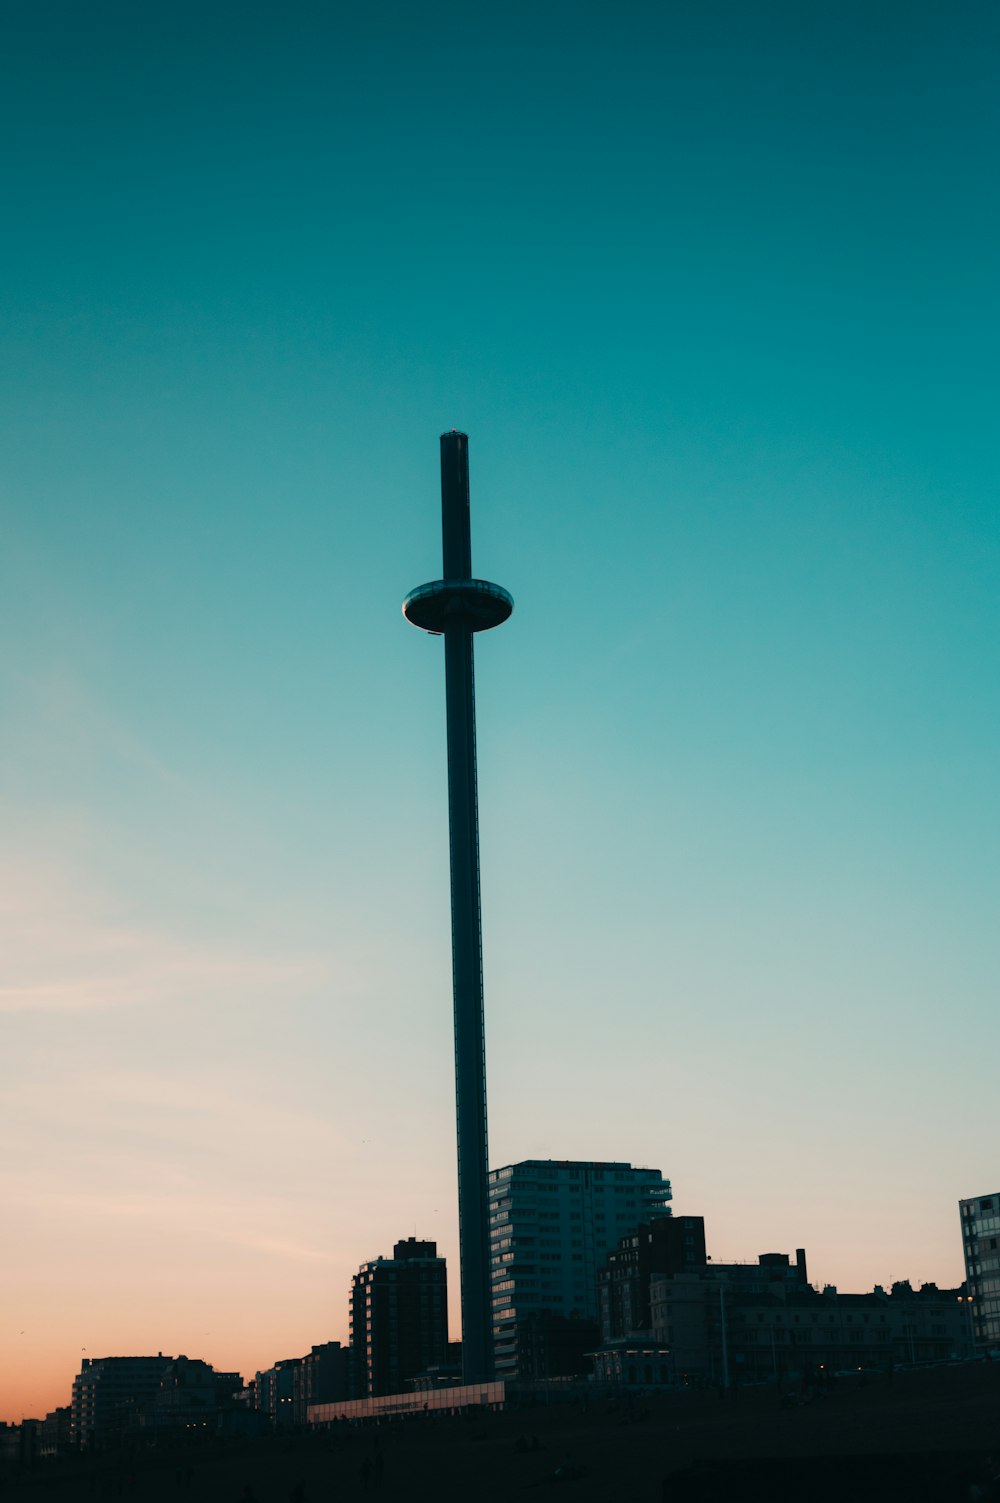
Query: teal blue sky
[[712, 287]]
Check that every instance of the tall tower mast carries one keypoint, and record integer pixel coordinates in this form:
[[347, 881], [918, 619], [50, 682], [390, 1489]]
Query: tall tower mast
[[455, 607]]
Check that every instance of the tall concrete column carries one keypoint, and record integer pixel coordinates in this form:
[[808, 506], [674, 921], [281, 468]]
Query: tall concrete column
[[456, 607]]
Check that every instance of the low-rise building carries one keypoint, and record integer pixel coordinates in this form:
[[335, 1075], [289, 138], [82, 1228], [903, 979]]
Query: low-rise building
[[20, 1444], [191, 1397], [720, 1332], [633, 1362], [550, 1345], [54, 1432]]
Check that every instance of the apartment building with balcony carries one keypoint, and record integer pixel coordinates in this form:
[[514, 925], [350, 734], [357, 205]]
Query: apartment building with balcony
[[552, 1224]]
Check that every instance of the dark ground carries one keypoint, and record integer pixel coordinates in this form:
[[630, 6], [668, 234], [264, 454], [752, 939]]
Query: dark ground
[[925, 1435]]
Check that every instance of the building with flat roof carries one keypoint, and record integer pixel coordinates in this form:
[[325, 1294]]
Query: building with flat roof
[[552, 1224], [666, 1245], [192, 1396], [720, 1330], [322, 1377], [980, 1217], [109, 1393], [414, 1403], [55, 1432], [275, 1390], [399, 1318]]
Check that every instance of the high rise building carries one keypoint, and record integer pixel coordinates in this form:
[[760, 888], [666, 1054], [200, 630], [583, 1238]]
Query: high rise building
[[980, 1218], [552, 1225], [399, 1318], [109, 1393]]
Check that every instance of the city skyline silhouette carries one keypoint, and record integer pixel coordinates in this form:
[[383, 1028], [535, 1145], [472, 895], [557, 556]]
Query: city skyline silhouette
[[713, 292]]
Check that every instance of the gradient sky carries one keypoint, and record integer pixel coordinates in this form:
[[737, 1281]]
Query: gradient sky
[[712, 286]]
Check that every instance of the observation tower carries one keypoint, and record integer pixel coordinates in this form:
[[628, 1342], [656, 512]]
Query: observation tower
[[456, 607]]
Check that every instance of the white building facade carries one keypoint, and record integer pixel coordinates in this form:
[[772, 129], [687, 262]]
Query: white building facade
[[552, 1224]]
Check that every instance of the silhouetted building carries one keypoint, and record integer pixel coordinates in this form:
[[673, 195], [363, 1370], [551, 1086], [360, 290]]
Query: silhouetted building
[[55, 1432], [550, 1345], [981, 1245], [109, 1394], [552, 1225], [399, 1318], [771, 1268], [191, 1397], [635, 1361], [20, 1445], [446, 1374], [755, 1329], [322, 1377], [284, 1392], [665, 1245], [275, 1390]]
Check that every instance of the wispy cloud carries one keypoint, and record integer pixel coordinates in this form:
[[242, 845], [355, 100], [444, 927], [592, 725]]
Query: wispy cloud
[[231, 1222], [58, 709], [65, 950], [282, 1248]]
